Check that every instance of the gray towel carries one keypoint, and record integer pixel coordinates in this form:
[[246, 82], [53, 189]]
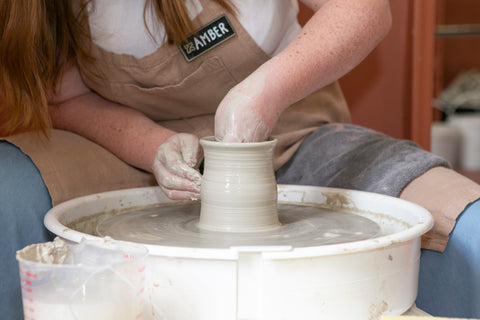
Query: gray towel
[[353, 157]]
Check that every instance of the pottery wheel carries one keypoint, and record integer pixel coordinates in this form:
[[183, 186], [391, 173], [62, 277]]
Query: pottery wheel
[[176, 225]]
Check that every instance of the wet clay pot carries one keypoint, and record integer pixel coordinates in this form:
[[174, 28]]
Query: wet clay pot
[[239, 191]]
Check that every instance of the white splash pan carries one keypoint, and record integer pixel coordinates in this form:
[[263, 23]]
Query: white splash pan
[[350, 281]]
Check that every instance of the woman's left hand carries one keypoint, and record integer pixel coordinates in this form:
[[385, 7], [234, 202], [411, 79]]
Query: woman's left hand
[[175, 167]]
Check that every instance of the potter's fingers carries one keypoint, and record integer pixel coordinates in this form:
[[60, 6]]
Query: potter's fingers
[[224, 130], [184, 171], [175, 164], [180, 195], [242, 129], [228, 131], [192, 157], [169, 180], [191, 151]]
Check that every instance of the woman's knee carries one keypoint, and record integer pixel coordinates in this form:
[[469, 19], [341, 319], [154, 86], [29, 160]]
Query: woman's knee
[[449, 282]]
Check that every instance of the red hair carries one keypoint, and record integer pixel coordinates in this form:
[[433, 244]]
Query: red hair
[[39, 37]]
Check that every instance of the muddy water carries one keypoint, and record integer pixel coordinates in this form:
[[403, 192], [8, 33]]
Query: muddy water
[[177, 225]]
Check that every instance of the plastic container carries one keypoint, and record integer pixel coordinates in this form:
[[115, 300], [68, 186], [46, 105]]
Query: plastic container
[[96, 280], [468, 126], [445, 142]]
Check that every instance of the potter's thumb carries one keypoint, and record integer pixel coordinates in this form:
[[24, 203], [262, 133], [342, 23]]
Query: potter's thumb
[[190, 156]]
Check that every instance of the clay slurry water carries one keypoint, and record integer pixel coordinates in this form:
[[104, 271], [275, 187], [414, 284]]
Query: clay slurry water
[[176, 225], [239, 207]]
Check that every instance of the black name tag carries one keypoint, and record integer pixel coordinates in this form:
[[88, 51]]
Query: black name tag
[[207, 38]]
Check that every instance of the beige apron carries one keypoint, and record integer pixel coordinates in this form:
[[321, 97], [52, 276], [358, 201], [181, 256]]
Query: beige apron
[[183, 96], [179, 95]]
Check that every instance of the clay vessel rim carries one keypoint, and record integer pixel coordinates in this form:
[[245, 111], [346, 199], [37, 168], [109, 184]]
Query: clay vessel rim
[[210, 141]]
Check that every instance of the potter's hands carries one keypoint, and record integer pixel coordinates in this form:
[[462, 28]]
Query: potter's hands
[[246, 114], [175, 165]]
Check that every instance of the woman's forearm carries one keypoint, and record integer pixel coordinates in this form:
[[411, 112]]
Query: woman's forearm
[[338, 37], [340, 34], [125, 132]]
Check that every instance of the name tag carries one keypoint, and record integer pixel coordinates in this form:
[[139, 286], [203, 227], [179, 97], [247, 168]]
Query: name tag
[[207, 38]]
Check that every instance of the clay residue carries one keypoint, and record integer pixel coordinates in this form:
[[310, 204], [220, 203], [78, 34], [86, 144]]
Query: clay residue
[[88, 224], [337, 200], [54, 252], [376, 310], [342, 202]]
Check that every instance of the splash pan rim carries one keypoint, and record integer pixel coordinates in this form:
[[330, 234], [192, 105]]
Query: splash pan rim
[[418, 219]]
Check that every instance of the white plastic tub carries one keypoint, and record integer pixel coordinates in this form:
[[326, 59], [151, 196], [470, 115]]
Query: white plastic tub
[[358, 280]]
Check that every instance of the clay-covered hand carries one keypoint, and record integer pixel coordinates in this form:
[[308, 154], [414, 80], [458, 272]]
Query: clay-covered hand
[[246, 114], [175, 166], [339, 35]]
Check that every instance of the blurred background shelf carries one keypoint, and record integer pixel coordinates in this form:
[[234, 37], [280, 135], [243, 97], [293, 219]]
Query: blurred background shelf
[[457, 30]]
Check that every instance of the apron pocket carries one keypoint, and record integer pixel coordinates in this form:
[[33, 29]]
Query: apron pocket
[[189, 97]]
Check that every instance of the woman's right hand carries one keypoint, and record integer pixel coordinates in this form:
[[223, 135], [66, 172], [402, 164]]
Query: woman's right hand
[[175, 166]]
